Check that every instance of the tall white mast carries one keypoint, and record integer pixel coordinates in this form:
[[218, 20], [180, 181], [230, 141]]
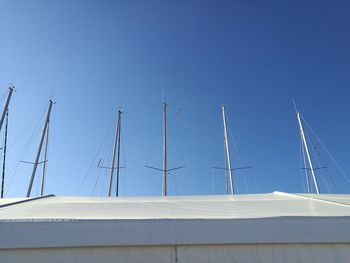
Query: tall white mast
[[164, 181], [226, 168], [307, 152], [227, 159], [40, 147], [306, 173]]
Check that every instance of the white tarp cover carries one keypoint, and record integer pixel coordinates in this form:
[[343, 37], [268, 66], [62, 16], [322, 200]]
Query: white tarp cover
[[277, 218]]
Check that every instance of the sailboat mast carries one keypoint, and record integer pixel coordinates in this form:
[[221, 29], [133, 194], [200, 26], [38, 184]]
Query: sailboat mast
[[307, 152], [226, 168], [113, 158], [165, 169], [45, 160], [118, 158], [228, 159], [4, 157], [306, 172], [3, 116], [164, 182], [4, 112], [39, 149]]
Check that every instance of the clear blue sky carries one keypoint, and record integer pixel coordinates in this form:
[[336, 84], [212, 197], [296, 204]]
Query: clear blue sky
[[254, 56]]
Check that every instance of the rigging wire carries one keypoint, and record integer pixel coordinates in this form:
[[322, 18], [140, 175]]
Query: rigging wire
[[173, 138], [3, 95], [212, 183], [17, 139], [327, 152], [178, 191], [322, 163], [102, 173], [37, 186], [174, 155], [45, 164], [93, 162], [254, 180], [157, 186], [98, 177], [233, 140], [104, 181], [300, 164], [28, 143], [317, 161], [124, 162], [107, 157], [175, 152], [151, 148], [149, 154], [303, 154], [237, 157]]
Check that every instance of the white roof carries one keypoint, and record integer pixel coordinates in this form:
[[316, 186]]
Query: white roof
[[260, 218]]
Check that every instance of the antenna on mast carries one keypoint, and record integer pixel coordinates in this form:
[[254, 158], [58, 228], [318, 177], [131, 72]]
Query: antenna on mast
[[165, 169], [306, 148]]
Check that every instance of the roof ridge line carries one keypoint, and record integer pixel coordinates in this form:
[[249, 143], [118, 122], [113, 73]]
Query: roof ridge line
[[26, 200], [313, 198]]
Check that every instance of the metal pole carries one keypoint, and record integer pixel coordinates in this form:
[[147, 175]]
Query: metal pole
[[227, 150], [307, 152], [11, 89], [113, 159], [226, 168], [306, 173], [4, 159], [39, 149], [45, 160], [118, 158], [164, 185]]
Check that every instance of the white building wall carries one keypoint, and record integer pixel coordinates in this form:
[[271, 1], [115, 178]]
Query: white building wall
[[88, 255], [267, 253]]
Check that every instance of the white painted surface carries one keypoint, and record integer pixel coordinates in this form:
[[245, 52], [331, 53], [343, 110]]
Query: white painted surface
[[276, 218], [178, 207]]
